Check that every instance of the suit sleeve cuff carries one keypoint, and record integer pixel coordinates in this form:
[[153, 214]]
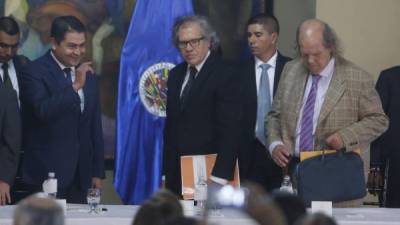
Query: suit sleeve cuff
[[218, 180], [273, 145], [349, 139]]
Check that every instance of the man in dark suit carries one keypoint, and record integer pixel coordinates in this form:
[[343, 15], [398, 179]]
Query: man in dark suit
[[63, 132], [202, 104], [385, 154], [10, 141], [11, 65], [255, 163]]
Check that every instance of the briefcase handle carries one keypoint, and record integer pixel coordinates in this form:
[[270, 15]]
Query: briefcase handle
[[339, 152], [324, 147]]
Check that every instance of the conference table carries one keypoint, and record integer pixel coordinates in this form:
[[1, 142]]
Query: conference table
[[123, 215]]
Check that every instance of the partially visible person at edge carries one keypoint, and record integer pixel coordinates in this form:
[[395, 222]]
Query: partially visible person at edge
[[385, 155], [10, 141]]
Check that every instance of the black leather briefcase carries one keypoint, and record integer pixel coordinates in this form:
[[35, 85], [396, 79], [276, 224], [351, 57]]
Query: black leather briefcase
[[332, 177]]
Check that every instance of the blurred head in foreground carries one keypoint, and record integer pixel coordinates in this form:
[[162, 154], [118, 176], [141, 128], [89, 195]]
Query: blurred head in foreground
[[262, 207], [162, 208], [317, 219], [186, 221], [38, 210], [252, 200], [291, 205]]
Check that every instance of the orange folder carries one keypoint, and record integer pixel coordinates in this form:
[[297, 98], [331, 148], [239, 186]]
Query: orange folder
[[194, 167]]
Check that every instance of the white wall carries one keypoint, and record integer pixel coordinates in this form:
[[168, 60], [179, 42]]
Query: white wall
[[368, 29], [290, 13]]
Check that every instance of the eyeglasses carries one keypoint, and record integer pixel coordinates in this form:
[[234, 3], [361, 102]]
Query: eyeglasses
[[4, 45], [194, 43]]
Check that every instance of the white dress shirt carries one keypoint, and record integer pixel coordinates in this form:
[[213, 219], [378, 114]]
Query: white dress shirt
[[12, 75]]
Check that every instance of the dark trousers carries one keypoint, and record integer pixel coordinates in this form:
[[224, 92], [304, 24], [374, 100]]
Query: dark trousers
[[264, 170], [19, 191], [294, 161], [74, 193], [393, 185]]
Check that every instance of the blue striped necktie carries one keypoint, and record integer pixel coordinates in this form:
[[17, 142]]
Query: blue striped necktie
[[306, 130], [263, 103]]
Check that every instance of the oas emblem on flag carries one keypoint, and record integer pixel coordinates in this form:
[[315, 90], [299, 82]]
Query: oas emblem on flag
[[153, 88]]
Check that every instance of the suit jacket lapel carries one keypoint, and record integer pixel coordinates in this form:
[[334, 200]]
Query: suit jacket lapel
[[87, 96], [56, 72], [201, 77], [252, 79], [182, 73], [297, 94], [278, 71], [335, 91], [180, 77], [19, 62], [17, 67]]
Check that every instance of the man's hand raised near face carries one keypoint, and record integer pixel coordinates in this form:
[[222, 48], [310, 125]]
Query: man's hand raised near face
[[80, 75]]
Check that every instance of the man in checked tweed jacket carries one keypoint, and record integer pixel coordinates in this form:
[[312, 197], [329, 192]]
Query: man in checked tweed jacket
[[347, 113]]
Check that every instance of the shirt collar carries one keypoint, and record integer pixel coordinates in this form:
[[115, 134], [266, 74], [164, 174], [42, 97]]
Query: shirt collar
[[62, 66], [200, 65], [271, 61], [328, 70], [10, 63]]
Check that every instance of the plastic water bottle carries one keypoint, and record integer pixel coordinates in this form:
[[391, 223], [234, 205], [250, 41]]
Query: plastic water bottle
[[200, 196], [287, 185], [50, 185]]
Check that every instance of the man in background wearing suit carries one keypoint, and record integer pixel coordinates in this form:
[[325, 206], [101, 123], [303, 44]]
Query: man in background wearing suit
[[385, 154], [260, 77], [203, 110], [323, 101], [10, 141], [63, 132], [11, 65]]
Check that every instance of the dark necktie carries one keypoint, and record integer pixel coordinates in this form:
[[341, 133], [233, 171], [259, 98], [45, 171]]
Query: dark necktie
[[263, 103], [306, 137], [6, 76], [67, 72], [188, 85]]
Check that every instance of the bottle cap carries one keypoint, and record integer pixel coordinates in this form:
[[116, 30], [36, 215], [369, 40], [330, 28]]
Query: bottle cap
[[52, 174]]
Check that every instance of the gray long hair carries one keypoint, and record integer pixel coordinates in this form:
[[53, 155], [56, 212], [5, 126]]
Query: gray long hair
[[207, 30]]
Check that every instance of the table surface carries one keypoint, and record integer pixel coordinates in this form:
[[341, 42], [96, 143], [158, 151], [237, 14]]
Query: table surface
[[122, 215]]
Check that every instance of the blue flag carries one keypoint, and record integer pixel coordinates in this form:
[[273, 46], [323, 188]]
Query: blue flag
[[147, 57]]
